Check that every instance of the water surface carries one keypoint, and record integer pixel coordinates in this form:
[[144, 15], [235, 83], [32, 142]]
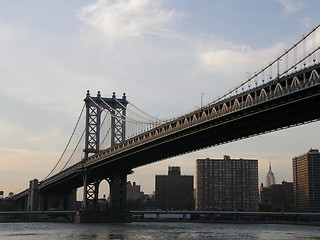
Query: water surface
[[168, 231]]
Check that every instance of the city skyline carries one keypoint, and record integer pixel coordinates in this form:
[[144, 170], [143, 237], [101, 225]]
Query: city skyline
[[168, 56]]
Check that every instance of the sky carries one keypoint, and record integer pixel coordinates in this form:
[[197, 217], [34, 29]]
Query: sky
[[165, 55]]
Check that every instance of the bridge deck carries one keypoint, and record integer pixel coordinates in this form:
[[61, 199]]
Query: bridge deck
[[289, 101]]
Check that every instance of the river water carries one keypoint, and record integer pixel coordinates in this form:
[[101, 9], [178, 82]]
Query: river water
[[142, 230]]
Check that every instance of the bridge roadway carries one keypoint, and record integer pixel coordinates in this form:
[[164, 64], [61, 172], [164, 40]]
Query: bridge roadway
[[284, 102]]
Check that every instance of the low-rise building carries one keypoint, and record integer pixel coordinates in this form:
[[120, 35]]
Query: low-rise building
[[174, 191]]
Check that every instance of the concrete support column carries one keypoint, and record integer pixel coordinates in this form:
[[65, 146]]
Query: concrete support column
[[71, 200], [41, 203], [85, 202], [118, 192], [59, 201], [33, 196]]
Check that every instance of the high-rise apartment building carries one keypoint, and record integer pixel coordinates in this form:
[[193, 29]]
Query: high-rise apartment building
[[306, 181], [227, 184], [174, 191]]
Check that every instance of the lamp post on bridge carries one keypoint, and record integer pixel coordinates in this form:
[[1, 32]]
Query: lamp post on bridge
[[278, 68], [201, 100]]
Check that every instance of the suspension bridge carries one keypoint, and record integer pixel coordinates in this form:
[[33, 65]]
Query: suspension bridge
[[118, 136]]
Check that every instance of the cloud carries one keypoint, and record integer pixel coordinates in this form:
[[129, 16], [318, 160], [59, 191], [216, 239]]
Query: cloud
[[232, 63], [140, 48], [291, 6], [127, 46], [125, 19], [238, 60]]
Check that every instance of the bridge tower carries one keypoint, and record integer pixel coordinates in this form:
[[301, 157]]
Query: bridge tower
[[117, 181], [94, 107]]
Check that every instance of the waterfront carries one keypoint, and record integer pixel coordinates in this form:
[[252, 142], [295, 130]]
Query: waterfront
[[164, 230]]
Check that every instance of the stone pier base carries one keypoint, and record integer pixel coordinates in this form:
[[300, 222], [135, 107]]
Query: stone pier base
[[96, 217]]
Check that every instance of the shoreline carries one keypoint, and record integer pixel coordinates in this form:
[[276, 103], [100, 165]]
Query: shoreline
[[175, 216]]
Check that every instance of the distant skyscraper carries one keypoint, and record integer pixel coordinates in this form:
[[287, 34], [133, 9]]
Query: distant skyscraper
[[133, 191], [227, 184], [174, 190], [306, 181], [270, 180]]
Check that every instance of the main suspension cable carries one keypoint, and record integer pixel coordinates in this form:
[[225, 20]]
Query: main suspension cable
[[74, 150], [65, 149]]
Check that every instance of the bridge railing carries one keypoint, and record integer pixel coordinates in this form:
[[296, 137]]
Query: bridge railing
[[288, 84], [73, 169], [291, 83], [21, 195]]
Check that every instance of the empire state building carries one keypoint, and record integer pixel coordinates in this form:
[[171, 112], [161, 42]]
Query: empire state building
[[270, 177]]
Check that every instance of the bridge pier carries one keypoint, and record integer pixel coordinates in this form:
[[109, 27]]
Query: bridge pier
[[118, 192], [117, 212], [33, 196], [42, 201], [90, 193], [65, 200]]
